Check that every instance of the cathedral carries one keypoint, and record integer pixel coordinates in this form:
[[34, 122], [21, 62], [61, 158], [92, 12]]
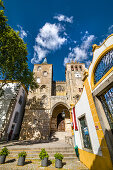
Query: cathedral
[[81, 107], [45, 105]]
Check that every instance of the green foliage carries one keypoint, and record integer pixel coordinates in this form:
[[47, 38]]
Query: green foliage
[[13, 55], [4, 151], [22, 154], [58, 156], [43, 154]]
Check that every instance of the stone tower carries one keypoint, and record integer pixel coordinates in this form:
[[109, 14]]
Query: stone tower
[[74, 84], [44, 107]]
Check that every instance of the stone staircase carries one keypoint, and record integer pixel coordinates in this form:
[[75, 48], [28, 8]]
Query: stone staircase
[[33, 154], [56, 144]]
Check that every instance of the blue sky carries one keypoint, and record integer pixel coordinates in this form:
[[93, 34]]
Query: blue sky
[[60, 30]]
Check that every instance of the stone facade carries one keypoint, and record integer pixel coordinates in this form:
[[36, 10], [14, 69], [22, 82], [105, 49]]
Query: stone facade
[[45, 105]]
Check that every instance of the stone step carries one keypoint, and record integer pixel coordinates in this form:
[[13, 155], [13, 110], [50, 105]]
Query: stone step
[[39, 149], [48, 151], [50, 154], [50, 158]]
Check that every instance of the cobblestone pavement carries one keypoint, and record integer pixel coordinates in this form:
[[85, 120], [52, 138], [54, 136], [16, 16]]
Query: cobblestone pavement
[[11, 164]]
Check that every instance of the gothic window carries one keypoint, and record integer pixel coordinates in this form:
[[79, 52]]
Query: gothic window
[[38, 80], [16, 117], [20, 100], [39, 68], [105, 64], [85, 133], [45, 73]]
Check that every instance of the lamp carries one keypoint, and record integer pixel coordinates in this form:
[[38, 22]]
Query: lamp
[[63, 113]]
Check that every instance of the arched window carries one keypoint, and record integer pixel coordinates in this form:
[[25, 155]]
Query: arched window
[[39, 68], [105, 64], [80, 67], [43, 88], [43, 97], [45, 73]]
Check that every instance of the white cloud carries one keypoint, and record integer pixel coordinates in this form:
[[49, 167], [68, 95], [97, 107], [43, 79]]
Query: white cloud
[[47, 40], [22, 32], [64, 18], [87, 63], [110, 29], [40, 52], [80, 53]]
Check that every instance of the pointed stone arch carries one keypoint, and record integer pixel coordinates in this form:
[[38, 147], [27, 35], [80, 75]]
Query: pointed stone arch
[[57, 122]]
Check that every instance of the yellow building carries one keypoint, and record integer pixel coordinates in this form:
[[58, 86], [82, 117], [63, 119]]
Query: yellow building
[[95, 118]]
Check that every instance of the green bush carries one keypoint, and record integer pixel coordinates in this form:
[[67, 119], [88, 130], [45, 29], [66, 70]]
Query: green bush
[[4, 151], [43, 154], [22, 154], [58, 156]]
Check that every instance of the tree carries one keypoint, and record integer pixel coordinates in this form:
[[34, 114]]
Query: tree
[[13, 55]]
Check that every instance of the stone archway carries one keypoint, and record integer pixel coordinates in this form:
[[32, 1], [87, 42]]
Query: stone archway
[[57, 122]]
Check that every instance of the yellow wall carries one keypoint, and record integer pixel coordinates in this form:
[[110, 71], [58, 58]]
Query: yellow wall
[[91, 160], [61, 93], [94, 162]]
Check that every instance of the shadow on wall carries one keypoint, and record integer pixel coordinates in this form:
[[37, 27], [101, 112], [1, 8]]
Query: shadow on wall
[[36, 121], [96, 162]]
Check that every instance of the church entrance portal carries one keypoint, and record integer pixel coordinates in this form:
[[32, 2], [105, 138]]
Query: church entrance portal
[[58, 123]]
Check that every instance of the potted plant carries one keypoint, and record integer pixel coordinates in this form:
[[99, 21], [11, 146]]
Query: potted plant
[[43, 155], [4, 152], [22, 156], [58, 160]]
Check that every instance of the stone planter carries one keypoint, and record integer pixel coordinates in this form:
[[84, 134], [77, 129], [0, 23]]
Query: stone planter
[[21, 161], [44, 162], [2, 159], [58, 163]]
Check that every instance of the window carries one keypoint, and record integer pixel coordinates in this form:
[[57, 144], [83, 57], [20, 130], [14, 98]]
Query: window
[[38, 80], [23, 91], [107, 103], [72, 68], [16, 117], [76, 68], [43, 88], [45, 73], [105, 64], [80, 68], [20, 100], [39, 68], [85, 133], [80, 89]]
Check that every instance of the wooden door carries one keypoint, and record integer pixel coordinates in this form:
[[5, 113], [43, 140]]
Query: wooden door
[[61, 126]]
